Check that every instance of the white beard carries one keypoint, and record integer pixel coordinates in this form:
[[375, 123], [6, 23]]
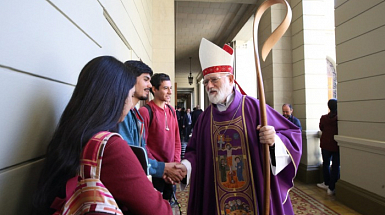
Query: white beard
[[221, 94]]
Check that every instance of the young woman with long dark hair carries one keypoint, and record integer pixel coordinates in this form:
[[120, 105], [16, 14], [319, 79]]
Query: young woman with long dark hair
[[101, 99]]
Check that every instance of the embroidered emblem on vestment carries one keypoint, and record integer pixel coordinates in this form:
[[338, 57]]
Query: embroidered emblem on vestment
[[233, 172]]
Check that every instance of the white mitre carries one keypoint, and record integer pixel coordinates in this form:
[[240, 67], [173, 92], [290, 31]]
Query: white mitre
[[215, 59]]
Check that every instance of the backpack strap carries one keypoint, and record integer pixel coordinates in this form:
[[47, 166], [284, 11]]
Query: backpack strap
[[91, 161], [90, 165], [149, 113], [172, 110]]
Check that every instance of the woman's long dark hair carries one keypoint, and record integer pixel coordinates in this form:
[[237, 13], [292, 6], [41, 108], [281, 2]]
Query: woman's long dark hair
[[96, 105]]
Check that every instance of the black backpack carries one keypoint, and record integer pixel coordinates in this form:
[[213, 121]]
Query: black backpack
[[151, 115]]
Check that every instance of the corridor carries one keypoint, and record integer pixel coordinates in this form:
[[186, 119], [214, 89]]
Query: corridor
[[332, 49]]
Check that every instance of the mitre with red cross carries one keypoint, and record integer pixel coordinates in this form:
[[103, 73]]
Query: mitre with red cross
[[215, 59]]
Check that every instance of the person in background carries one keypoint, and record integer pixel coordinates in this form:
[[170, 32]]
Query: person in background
[[195, 114], [287, 111], [177, 110], [101, 99], [179, 118], [162, 131], [223, 159], [180, 123], [329, 148], [187, 122], [132, 128]]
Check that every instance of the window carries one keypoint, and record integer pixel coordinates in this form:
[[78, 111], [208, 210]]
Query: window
[[332, 80]]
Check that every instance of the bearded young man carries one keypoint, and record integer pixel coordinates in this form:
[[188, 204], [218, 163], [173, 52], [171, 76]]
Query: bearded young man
[[132, 128], [224, 158], [162, 131]]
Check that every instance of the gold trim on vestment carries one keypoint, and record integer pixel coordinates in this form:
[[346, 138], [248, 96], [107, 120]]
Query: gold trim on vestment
[[243, 185], [248, 151], [295, 171]]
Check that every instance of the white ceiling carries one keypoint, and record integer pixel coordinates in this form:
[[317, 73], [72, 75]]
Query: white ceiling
[[216, 20]]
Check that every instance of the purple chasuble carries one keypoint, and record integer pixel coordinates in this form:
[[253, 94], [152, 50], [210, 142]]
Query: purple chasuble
[[227, 163]]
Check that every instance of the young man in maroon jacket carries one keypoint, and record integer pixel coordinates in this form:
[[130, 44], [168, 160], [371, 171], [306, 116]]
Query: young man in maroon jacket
[[162, 131]]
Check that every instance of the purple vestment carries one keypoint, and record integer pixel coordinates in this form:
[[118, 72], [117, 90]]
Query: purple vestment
[[227, 161]]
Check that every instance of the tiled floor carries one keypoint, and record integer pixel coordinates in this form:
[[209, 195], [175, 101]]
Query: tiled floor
[[321, 196], [310, 189]]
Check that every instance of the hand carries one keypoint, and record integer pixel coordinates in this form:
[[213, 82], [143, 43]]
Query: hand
[[177, 166], [168, 180], [266, 134], [182, 167], [172, 174]]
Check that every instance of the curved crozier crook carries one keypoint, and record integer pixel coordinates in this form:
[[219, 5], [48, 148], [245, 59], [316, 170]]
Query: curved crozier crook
[[266, 48], [278, 32]]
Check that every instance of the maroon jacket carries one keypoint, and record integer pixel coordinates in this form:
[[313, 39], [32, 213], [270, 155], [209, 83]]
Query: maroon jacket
[[162, 145], [328, 126], [124, 177]]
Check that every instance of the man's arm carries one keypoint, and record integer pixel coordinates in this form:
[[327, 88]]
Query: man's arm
[[267, 136], [156, 168], [160, 169], [289, 148], [172, 174], [297, 123], [146, 121]]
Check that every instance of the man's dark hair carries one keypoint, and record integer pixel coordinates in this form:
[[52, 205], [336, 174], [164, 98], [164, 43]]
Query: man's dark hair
[[289, 105], [157, 79], [332, 104], [138, 67]]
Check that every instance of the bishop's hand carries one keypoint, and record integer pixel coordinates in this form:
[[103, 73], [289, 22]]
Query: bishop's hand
[[172, 174], [266, 134]]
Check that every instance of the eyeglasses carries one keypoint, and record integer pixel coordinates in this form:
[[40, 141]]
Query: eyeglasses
[[213, 80]]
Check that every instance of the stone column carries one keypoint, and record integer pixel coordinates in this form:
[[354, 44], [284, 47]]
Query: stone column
[[311, 45], [163, 39]]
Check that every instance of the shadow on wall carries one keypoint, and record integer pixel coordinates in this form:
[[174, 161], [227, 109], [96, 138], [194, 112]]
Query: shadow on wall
[[26, 140]]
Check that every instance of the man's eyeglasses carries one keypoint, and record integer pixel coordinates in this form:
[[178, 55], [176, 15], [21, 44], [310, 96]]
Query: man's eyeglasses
[[213, 80]]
